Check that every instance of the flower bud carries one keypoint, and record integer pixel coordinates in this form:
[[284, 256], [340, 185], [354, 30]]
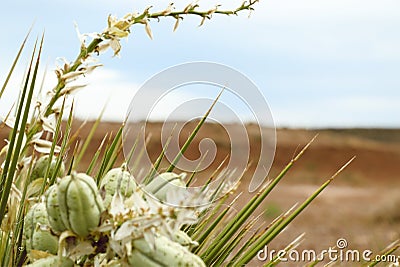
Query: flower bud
[[52, 261], [37, 231], [53, 209], [165, 253], [164, 182], [40, 168]]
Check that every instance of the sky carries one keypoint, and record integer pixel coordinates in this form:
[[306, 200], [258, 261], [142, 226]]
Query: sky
[[318, 63]]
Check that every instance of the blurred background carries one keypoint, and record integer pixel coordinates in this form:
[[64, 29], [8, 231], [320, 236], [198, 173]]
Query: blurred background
[[318, 63]]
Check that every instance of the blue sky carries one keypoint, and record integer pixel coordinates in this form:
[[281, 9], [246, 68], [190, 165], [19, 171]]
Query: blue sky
[[318, 63]]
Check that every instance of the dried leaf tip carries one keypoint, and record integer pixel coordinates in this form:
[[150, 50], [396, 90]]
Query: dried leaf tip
[[148, 30]]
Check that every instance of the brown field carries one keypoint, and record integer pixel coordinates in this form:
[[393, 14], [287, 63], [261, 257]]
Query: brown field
[[362, 205]]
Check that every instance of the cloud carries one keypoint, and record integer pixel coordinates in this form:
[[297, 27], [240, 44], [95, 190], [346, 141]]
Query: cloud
[[316, 30], [296, 51], [107, 89]]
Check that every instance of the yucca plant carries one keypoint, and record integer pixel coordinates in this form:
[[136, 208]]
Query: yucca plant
[[51, 215]]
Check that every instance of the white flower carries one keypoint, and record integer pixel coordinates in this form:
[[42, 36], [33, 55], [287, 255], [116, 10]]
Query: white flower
[[191, 6], [117, 205], [73, 75], [63, 64], [102, 47], [15, 192], [25, 162], [143, 217], [119, 28], [71, 89], [43, 146], [81, 37], [89, 68], [115, 46], [169, 9]]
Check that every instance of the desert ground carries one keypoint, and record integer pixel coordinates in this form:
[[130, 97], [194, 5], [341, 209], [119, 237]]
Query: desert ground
[[362, 205]]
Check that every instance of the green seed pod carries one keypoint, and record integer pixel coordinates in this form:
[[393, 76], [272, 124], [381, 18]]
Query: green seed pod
[[164, 182], [80, 203], [37, 231], [40, 168], [51, 262], [137, 258], [165, 253], [53, 209], [117, 179]]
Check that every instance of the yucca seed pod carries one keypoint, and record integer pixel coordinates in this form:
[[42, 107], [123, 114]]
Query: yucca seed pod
[[165, 253], [37, 233], [80, 203], [52, 261], [183, 239], [53, 209], [161, 184], [137, 258], [40, 168], [117, 179]]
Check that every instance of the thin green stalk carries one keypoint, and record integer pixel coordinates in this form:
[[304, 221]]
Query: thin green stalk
[[52, 149], [246, 211], [9, 173], [225, 175], [138, 158], [293, 245], [21, 214], [193, 135], [14, 63], [141, 19], [88, 139], [247, 244], [192, 175], [71, 164], [4, 244], [160, 157], [388, 251], [96, 156], [204, 235], [216, 172], [132, 151], [7, 251], [109, 154], [260, 236], [229, 247], [78, 62], [13, 137], [114, 157], [64, 146], [194, 230], [75, 136]]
